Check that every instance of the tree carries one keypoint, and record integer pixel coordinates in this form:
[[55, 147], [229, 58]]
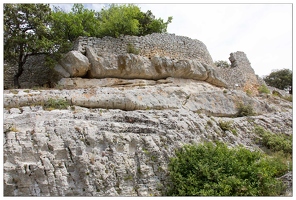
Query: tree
[[26, 32], [128, 19], [79, 22], [148, 24], [281, 79]]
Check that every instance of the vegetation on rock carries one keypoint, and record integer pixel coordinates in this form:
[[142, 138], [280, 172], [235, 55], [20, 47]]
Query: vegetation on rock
[[31, 29], [245, 110], [263, 89], [222, 64], [216, 170]]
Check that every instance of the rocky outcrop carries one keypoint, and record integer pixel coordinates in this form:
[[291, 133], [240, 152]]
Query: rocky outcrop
[[112, 152], [75, 63], [131, 66], [240, 75], [144, 94]]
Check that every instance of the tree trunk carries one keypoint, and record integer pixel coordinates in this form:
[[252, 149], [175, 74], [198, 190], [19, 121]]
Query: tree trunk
[[17, 75], [21, 62]]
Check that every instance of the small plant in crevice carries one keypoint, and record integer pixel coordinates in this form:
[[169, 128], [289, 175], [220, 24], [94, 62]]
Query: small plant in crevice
[[263, 89], [245, 110], [131, 49], [52, 104], [225, 125]]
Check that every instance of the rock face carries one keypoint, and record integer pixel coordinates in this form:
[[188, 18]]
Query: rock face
[[130, 66], [118, 135], [75, 63]]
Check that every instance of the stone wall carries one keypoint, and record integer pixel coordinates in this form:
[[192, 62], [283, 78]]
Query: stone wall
[[8, 73], [240, 75], [35, 73], [162, 45]]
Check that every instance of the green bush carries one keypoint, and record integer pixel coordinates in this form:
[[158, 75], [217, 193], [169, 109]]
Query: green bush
[[275, 142], [245, 110], [263, 89], [52, 104], [225, 125], [216, 170]]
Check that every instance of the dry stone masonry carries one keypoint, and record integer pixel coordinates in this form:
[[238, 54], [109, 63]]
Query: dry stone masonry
[[156, 44], [241, 75]]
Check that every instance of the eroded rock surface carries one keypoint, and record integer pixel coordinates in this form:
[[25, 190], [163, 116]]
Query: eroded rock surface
[[131, 66], [117, 136]]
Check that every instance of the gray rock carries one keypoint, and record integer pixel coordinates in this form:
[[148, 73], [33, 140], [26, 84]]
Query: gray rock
[[101, 152], [61, 71], [130, 66], [75, 63]]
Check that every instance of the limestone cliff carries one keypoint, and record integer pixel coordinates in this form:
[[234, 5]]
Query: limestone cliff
[[117, 136], [127, 114]]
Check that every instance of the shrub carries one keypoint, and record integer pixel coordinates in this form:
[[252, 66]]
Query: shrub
[[245, 110], [263, 89], [216, 170], [225, 125], [222, 64], [52, 104], [132, 49], [275, 142]]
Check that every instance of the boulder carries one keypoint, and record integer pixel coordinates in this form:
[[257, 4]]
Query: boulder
[[61, 71], [131, 66], [75, 63]]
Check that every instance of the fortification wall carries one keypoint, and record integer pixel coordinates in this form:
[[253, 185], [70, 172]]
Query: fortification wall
[[240, 75], [163, 45]]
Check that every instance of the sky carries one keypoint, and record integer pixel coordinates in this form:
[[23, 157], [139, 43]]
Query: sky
[[263, 31]]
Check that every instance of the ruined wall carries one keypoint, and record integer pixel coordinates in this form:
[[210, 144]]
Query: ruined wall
[[8, 73], [240, 75], [163, 45]]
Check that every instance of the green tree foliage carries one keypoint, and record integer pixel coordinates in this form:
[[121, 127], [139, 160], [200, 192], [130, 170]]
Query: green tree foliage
[[281, 79], [216, 170], [26, 32], [79, 22], [128, 19], [31, 29]]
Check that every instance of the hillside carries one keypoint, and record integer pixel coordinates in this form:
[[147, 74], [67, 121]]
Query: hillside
[[112, 122]]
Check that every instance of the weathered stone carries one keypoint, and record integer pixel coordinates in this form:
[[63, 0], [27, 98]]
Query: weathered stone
[[130, 66], [240, 75], [140, 94], [110, 152], [75, 63], [61, 71]]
